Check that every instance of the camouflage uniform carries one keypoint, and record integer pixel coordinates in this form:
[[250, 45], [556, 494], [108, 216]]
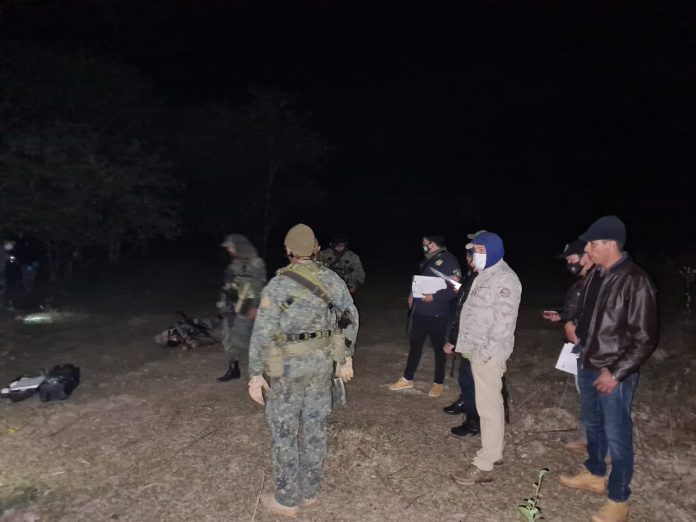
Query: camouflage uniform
[[300, 396], [242, 276], [346, 264]]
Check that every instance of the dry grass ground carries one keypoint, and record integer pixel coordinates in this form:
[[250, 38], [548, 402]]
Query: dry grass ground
[[150, 435]]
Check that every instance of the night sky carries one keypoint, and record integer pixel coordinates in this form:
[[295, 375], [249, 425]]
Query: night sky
[[528, 118]]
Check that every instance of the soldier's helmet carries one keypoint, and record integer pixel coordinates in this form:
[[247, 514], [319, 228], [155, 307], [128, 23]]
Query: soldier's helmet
[[338, 239], [301, 241], [244, 247]]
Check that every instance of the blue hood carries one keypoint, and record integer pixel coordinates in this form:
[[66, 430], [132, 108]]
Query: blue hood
[[494, 247]]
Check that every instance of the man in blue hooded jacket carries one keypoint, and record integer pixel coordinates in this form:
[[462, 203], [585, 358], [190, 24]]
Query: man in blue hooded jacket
[[486, 337]]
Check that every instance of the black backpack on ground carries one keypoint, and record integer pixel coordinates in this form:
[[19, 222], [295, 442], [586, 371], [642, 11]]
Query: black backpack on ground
[[60, 383]]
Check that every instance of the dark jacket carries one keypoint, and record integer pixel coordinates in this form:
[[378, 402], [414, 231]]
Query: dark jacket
[[447, 263], [571, 306], [452, 331], [623, 326]]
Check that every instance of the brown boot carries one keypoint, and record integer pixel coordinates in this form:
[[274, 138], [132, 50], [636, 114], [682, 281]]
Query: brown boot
[[271, 505], [401, 384], [612, 512], [586, 481], [473, 476], [436, 390]]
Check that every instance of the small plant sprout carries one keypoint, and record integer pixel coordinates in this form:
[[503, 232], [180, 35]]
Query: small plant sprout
[[530, 508], [688, 273]]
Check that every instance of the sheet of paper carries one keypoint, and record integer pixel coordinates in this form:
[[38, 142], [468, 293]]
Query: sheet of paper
[[567, 361], [451, 281], [424, 285], [27, 382]]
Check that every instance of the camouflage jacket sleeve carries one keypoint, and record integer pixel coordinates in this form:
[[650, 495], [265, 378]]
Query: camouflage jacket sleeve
[[343, 300], [228, 292], [266, 325], [326, 257], [258, 278], [357, 273]]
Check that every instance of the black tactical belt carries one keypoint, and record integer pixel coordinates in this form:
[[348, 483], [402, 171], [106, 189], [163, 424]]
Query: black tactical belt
[[308, 335]]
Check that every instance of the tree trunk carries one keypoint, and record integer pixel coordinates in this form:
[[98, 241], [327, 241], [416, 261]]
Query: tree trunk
[[272, 168]]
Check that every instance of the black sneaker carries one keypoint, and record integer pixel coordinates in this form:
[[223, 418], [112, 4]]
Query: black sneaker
[[455, 408]]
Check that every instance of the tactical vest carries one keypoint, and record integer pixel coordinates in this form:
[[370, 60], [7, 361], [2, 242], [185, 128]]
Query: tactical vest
[[292, 345]]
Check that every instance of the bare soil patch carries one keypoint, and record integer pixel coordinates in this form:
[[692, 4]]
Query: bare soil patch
[[150, 435]]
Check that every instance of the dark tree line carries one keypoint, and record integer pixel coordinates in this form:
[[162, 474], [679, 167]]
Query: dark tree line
[[91, 163]]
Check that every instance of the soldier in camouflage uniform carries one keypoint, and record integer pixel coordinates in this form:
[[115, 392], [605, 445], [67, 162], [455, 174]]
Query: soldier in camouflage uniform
[[245, 278], [295, 341], [344, 262]]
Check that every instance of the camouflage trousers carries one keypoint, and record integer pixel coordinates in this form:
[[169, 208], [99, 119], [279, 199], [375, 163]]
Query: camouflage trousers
[[236, 333], [296, 412]]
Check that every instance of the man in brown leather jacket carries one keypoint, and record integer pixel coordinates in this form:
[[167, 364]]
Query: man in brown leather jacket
[[617, 329]]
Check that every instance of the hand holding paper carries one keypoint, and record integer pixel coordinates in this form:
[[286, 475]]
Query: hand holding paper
[[424, 285]]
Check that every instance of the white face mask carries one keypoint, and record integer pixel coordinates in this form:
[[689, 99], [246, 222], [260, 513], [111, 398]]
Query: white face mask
[[479, 261]]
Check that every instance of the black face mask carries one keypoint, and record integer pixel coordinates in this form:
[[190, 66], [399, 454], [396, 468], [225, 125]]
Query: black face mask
[[574, 268]]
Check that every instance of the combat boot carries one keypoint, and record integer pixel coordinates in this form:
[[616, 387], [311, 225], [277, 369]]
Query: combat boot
[[271, 505], [612, 512], [586, 481], [470, 427], [232, 372]]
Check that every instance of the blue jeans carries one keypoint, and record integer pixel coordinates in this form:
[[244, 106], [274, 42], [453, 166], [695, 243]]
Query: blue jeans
[[607, 419], [467, 389]]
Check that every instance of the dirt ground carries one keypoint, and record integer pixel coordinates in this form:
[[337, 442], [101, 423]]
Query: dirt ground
[[150, 435]]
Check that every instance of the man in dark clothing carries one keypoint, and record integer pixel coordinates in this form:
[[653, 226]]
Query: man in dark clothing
[[430, 315], [618, 332], [6, 248], [580, 265], [27, 251], [466, 403]]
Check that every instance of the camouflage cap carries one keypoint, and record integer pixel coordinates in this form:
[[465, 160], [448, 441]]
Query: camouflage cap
[[301, 241]]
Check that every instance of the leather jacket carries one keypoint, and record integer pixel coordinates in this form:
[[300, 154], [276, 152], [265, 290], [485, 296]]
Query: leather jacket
[[623, 328], [571, 306]]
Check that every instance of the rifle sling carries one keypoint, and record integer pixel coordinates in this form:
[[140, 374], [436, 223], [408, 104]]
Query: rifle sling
[[311, 286]]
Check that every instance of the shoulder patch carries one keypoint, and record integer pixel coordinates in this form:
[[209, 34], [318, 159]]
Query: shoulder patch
[[505, 292], [439, 262]]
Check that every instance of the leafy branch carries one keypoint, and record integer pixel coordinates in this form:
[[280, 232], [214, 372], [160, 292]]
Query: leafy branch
[[530, 508]]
